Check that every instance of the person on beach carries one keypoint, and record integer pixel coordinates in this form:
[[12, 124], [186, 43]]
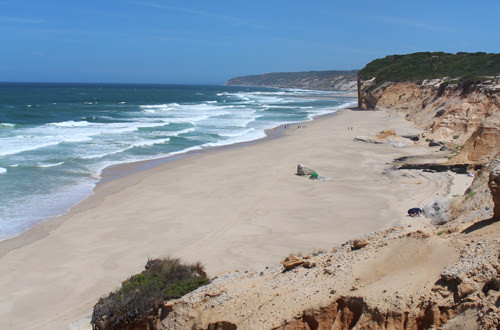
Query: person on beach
[[415, 212]]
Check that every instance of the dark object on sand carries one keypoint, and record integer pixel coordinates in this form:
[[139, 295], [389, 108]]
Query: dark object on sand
[[433, 143], [413, 137], [415, 212]]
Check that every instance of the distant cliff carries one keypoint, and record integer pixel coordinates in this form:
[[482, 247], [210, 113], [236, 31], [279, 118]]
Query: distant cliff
[[316, 80], [455, 98]]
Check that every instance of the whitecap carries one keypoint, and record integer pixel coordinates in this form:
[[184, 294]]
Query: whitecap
[[184, 131], [48, 165], [7, 125], [103, 155], [70, 123], [3, 170], [183, 151], [20, 144], [148, 143], [168, 106]]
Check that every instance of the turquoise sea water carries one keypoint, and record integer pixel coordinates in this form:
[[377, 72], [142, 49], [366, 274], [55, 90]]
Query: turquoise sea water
[[55, 139]]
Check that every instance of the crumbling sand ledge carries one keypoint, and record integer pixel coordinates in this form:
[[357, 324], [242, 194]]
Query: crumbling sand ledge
[[240, 208]]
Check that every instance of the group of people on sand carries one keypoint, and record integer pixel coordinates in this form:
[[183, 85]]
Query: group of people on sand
[[415, 212], [298, 126]]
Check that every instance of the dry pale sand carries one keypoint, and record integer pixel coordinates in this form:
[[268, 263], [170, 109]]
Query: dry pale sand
[[236, 208]]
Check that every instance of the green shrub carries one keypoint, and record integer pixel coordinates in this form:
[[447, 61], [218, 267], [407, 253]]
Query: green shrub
[[143, 294], [471, 68], [456, 136]]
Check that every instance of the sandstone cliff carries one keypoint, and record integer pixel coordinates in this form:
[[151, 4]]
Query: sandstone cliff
[[393, 280], [462, 113], [442, 275], [315, 80]]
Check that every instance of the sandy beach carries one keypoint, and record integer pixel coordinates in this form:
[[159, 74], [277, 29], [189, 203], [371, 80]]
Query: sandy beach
[[231, 208]]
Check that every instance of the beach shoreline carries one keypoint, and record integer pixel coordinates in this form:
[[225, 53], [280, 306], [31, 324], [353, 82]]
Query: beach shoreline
[[235, 207], [119, 171]]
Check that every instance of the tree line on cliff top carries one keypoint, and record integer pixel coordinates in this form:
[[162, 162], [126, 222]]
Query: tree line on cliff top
[[428, 65]]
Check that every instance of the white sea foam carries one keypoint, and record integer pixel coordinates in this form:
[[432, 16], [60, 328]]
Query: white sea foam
[[41, 165], [102, 155], [165, 107], [184, 131], [52, 134], [147, 143], [122, 134], [18, 144], [3, 170], [183, 151], [250, 135], [70, 123], [237, 133]]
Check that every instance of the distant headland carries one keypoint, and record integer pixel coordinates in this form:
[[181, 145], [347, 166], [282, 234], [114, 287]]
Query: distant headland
[[318, 80]]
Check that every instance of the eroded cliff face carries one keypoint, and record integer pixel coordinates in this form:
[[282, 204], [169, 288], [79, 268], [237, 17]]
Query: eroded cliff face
[[464, 114]]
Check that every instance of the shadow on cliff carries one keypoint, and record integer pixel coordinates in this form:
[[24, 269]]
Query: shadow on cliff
[[479, 225]]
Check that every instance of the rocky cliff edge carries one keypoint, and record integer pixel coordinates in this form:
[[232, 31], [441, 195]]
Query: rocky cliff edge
[[462, 113]]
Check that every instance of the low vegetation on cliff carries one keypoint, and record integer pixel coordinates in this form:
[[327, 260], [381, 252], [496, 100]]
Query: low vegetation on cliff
[[320, 80], [427, 65], [143, 295]]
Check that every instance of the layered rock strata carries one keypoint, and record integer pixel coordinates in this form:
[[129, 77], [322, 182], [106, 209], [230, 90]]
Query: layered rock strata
[[464, 114], [347, 286]]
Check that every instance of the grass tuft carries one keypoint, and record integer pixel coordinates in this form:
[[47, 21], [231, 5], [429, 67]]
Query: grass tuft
[[469, 194]]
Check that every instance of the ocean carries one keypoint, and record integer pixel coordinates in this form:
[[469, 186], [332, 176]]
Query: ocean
[[56, 139]]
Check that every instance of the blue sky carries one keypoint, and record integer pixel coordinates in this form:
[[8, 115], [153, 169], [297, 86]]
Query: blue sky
[[210, 41]]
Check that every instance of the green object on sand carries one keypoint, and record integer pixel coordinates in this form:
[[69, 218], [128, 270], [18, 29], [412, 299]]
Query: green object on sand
[[313, 175]]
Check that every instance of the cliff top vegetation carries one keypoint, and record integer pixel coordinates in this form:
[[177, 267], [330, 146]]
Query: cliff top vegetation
[[322, 80], [142, 295], [427, 65]]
